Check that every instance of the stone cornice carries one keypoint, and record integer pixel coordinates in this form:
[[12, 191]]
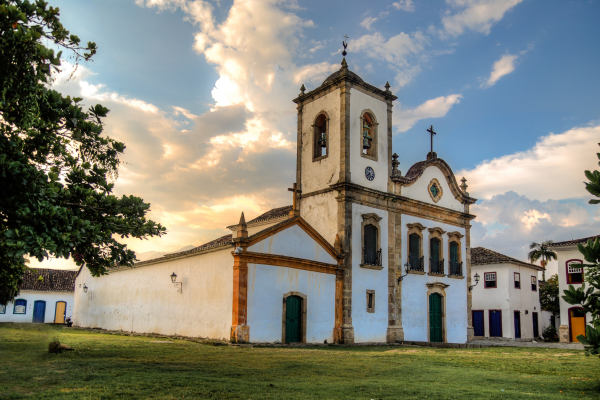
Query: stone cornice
[[251, 257]]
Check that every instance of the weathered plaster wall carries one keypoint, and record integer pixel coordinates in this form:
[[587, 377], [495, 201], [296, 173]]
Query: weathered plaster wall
[[49, 297], [358, 103], [509, 299], [415, 302], [144, 299], [320, 212], [317, 175], [369, 327], [293, 242], [266, 286], [418, 190]]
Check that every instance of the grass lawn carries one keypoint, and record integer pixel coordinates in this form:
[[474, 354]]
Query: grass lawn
[[112, 366]]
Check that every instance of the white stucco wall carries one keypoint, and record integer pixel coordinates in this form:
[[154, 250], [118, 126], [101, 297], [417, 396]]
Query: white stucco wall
[[418, 190], [360, 102], [266, 286], [317, 175], [143, 299], [293, 242], [509, 299], [369, 327], [321, 213], [32, 296], [566, 254], [415, 302]]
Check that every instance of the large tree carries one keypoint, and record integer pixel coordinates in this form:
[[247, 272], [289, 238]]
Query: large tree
[[57, 168], [543, 252]]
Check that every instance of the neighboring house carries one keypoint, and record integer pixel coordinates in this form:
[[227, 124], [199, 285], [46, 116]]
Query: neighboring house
[[46, 300], [506, 301], [572, 320], [328, 268]]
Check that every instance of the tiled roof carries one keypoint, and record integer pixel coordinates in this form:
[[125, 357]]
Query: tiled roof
[[483, 256], [220, 242], [572, 242], [271, 214], [53, 280]]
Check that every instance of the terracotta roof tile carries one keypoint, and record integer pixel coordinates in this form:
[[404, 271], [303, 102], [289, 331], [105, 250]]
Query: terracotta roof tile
[[272, 214], [53, 280], [572, 242], [482, 256]]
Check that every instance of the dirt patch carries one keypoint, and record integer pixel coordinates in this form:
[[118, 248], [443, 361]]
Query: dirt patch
[[564, 354], [402, 351]]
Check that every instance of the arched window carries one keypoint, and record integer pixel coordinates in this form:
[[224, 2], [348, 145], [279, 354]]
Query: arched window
[[368, 135], [454, 247], [436, 265], [371, 240], [321, 137], [20, 306]]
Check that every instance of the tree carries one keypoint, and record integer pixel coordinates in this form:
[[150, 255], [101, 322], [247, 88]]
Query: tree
[[56, 166], [541, 250], [549, 299], [589, 299]]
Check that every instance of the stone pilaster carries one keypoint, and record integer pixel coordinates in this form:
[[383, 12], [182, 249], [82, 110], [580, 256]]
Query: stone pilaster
[[394, 329], [345, 234], [563, 334], [345, 137], [299, 155], [390, 184], [470, 330], [398, 273]]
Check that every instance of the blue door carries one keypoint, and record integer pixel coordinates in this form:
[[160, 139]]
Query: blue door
[[478, 323], [39, 311], [536, 332], [495, 323]]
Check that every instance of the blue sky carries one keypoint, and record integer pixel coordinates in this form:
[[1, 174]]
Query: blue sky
[[200, 91]]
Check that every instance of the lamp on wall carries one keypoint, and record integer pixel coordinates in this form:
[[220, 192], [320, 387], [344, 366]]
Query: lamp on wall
[[85, 288], [406, 268], [476, 279], [178, 285]]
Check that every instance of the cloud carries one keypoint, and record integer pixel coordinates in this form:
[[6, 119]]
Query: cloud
[[475, 15], [395, 50], [434, 108], [552, 169], [502, 67], [404, 5], [367, 22]]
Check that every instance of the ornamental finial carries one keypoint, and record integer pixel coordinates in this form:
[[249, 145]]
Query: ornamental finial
[[302, 90], [387, 86], [345, 44], [464, 186], [395, 164]]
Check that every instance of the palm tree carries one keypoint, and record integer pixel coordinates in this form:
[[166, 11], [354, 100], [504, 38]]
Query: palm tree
[[541, 251]]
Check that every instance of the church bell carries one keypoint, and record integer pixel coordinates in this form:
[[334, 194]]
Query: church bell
[[323, 140], [366, 137]]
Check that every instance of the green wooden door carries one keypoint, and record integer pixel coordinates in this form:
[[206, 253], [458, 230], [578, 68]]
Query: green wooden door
[[293, 331], [435, 317]]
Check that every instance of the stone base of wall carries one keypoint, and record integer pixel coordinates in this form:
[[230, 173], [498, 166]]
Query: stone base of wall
[[240, 334], [394, 334], [563, 334], [348, 335]]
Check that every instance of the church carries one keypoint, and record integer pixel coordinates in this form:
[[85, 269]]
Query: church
[[365, 254]]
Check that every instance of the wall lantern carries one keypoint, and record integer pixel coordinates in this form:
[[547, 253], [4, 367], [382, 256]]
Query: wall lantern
[[406, 268], [178, 285], [85, 288], [476, 278]]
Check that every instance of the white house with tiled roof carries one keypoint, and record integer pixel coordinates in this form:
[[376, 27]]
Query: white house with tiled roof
[[572, 321], [506, 301], [45, 296], [364, 254]]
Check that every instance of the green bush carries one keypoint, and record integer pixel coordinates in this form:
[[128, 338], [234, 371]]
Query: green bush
[[550, 333]]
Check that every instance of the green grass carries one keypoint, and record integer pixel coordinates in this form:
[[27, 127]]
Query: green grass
[[113, 366]]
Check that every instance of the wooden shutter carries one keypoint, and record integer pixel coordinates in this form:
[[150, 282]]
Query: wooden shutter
[[370, 237]]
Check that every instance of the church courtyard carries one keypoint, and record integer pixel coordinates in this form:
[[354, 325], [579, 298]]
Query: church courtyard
[[105, 366]]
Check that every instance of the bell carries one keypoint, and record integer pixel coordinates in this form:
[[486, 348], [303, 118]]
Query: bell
[[366, 144], [366, 137], [323, 140]]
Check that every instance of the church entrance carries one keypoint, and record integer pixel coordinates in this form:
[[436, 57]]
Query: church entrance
[[435, 317], [293, 322]]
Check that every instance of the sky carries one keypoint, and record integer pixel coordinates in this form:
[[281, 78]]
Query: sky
[[201, 93]]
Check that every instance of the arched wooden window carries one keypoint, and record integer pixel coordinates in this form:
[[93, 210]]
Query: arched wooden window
[[434, 256], [368, 135], [371, 253], [455, 264], [321, 137]]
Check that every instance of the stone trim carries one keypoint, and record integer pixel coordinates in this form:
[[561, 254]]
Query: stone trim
[[240, 331], [315, 193], [417, 229], [345, 133], [410, 271], [455, 233], [436, 274], [250, 257], [437, 287], [374, 134], [299, 153], [304, 308], [368, 266], [370, 309], [370, 219], [389, 146], [470, 329], [455, 277], [395, 331], [314, 136], [345, 234], [339, 307], [435, 182]]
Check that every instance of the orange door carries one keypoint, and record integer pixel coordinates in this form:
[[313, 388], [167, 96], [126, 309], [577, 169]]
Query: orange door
[[59, 316], [577, 324]]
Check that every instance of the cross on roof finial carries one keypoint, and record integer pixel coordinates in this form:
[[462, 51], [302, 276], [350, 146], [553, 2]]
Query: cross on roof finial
[[345, 44], [431, 132]]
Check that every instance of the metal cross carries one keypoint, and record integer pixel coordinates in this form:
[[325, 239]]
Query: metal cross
[[296, 191], [431, 132], [345, 44]]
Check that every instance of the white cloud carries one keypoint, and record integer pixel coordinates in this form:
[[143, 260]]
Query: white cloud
[[552, 169], [502, 67], [475, 15], [434, 108], [404, 5], [395, 50], [367, 22]]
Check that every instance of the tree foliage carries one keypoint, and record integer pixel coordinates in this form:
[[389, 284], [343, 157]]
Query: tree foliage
[[549, 298], [543, 252], [56, 166]]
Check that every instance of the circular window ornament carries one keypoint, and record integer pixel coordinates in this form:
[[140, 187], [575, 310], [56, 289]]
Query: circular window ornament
[[369, 173], [435, 190]]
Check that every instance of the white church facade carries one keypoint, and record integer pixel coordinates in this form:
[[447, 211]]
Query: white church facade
[[364, 254]]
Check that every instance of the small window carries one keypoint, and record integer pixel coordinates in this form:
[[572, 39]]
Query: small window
[[534, 283], [574, 274], [20, 306], [490, 280], [2, 309], [370, 301], [321, 137], [517, 280]]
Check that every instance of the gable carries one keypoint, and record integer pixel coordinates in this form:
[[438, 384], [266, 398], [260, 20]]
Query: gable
[[293, 241], [419, 190]]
